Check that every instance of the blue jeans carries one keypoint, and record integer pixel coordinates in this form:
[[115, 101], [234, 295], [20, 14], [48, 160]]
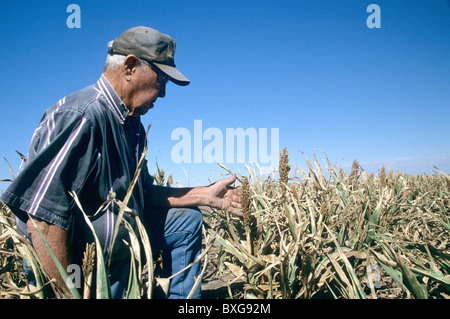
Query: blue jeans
[[177, 232]]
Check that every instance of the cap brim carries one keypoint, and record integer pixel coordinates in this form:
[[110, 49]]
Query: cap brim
[[175, 75]]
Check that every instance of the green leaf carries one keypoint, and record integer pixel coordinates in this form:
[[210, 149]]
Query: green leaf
[[133, 283], [417, 288], [103, 289], [228, 246], [395, 274]]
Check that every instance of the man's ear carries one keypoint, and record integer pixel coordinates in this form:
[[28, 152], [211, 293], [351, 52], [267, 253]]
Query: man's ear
[[130, 64]]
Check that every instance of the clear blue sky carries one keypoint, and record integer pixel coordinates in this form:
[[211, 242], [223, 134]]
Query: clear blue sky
[[311, 69]]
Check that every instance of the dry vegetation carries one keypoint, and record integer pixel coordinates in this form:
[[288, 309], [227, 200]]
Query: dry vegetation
[[305, 234], [333, 235]]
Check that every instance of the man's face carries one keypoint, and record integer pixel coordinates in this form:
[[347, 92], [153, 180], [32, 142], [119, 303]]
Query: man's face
[[147, 84]]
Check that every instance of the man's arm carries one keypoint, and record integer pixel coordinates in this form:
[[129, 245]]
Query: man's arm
[[58, 241], [218, 195]]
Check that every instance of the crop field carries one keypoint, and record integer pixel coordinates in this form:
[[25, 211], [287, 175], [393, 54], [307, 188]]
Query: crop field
[[315, 233]]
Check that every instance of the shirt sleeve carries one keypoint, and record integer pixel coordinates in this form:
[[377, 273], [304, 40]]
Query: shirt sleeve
[[60, 156]]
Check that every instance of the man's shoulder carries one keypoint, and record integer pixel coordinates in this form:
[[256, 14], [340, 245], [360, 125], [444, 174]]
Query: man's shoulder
[[80, 100], [76, 101], [86, 103]]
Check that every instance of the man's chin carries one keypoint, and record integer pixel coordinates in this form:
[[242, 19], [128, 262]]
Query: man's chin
[[144, 110]]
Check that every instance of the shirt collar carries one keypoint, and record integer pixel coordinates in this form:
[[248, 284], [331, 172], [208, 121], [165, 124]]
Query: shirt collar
[[114, 101]]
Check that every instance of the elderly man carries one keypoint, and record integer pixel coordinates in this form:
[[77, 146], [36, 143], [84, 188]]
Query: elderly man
[[89, 143]]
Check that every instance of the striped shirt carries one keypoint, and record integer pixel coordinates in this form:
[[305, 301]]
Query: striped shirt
[[85, 143]]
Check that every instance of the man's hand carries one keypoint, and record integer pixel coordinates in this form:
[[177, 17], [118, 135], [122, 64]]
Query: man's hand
[[219, 195], [226, 197]]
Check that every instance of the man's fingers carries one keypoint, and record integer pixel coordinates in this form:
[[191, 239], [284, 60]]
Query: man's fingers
[[236, 211], [230, 180], [234, 206]]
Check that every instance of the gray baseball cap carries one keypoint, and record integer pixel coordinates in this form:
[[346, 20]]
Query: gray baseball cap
[[152, 46]]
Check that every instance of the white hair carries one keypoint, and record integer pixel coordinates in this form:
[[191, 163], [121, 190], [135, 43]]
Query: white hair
[[113, 61]]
